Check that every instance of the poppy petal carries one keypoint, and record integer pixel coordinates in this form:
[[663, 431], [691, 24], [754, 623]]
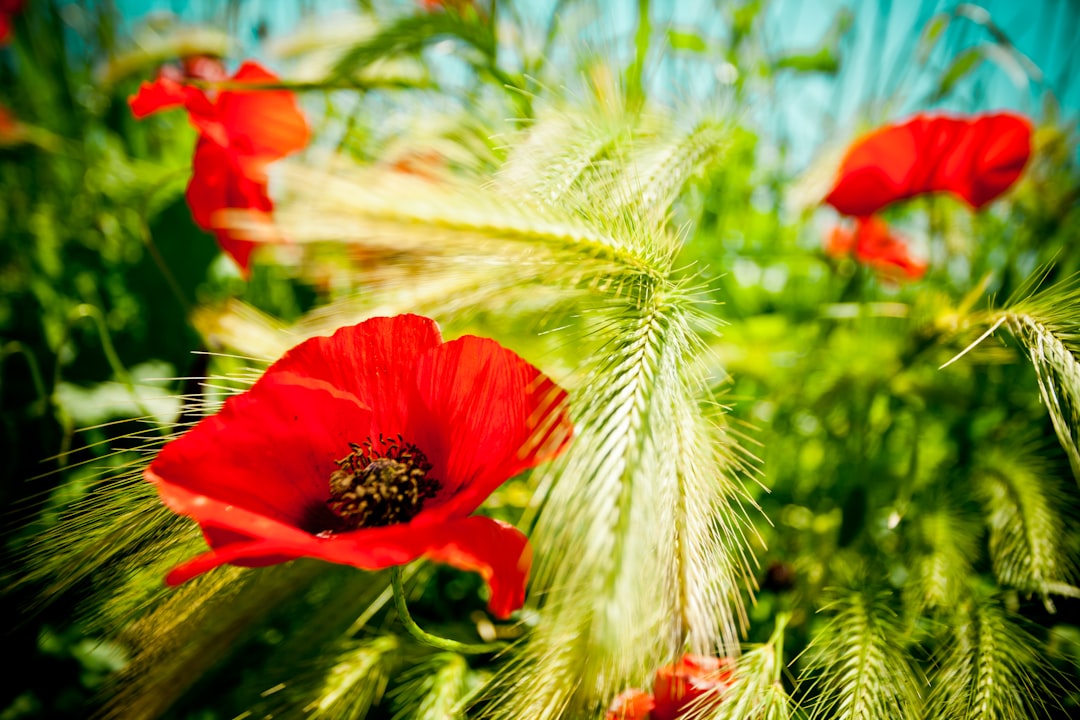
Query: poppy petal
[[839, 242], [218, 183], [376, 361], [161, 94], [1002, 157], [266, 124], [631, 704], [498, 414], [687, 683], [268, 453], [876, 245], [876, 170], [976, 159], [165, 93], [496, 550], [235, 244], [234, 555]]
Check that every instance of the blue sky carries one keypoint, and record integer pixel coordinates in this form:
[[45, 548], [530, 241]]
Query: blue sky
[[883, 73]]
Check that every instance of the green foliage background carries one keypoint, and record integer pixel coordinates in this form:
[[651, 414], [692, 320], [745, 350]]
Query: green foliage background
[[770, 459]]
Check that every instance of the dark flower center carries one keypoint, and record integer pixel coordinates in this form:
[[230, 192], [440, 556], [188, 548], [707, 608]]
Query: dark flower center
[[373, 487]]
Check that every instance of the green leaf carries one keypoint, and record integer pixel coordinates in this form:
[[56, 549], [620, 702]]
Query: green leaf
[[962, 66], [931, 34], [687, 40]]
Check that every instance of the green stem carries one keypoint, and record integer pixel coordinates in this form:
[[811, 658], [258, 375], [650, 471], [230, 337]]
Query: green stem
[[15, 347], [86, 310], [427, 638], [777, 641], [163, 267], [635, 74]]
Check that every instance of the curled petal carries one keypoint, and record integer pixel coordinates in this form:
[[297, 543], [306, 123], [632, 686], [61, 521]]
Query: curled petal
[[161, 94], [500, 416], [1000, 158], [497, 551], [975, 159], [166, 93], [203, 67], [265, 124]]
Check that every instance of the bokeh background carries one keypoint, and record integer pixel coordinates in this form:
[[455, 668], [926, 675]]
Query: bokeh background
[[111, 299]]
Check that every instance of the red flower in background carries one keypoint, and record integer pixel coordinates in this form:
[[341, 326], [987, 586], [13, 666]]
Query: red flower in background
[[689, 683], [10, 132], [873, 243], [632, 704], [433, 5], [8, 10], [240, 132], [975, 158], [370, 448]]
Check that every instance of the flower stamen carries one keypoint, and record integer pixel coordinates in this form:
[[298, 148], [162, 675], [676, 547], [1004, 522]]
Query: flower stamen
[[374, 487]]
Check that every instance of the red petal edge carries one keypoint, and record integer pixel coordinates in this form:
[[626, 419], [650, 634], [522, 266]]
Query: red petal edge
[[263, 462], [631, 704], [497, 415], [974, 158], [161, 94], [496, 550], [266, 124]]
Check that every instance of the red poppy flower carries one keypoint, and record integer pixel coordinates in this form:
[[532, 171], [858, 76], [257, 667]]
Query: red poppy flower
[[10, 131], [631, 705], [874, 244], [684, 684], [370, 448], [974, 158], [8, 10], [240, 132], [677, 688]]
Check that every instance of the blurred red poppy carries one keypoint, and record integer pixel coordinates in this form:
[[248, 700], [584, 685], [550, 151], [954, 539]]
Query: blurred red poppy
[[423, 164], [631, 705], [240, 132], [974, 158], [690, 683], [10, 131], [873, 243], [686, 683], [195, 67], [432, 5], [8, 10], [371, 448]]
